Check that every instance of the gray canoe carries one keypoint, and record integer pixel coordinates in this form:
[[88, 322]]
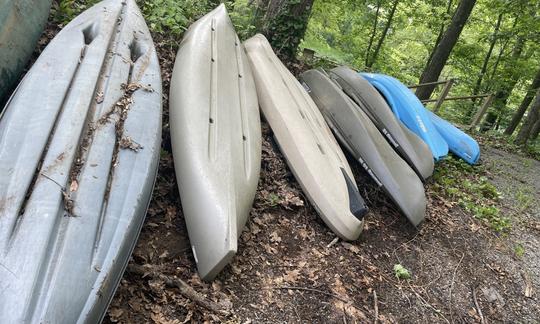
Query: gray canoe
[[216, 138], [411, 147], [21, 24], [311, 151], [79, 149], [358, 134]]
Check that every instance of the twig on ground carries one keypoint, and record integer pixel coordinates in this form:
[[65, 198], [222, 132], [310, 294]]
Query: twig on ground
[[452, 287], [376, 306], [334, 241], [185, 289], [437, 311], [478, 309]]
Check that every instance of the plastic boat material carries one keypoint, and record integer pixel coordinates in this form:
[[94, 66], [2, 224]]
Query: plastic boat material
[[21, 24], [311, 151], [408, 108], [358, 134], [216, 138], [410, 111], [408, 145], [79, 150]]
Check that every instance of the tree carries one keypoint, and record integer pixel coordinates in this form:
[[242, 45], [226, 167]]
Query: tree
[[509, 80], [373, 32], [483, 71], [529, 96], [285, 23], [441, 30], [441, 53], [370, 63], [527, 127]]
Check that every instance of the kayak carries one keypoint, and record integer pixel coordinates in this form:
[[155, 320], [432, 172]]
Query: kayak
[[79, 150], [358, 134], [21, 24], [409, 110], [216, 138], [408, 145], [311, 151]]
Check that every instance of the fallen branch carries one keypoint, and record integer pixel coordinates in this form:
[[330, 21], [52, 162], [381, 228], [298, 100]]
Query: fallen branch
[[185, 289], [482, 319], [376, 306], [452, 287]]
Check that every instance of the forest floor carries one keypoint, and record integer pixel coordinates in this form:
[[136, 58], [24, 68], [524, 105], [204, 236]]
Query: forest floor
[[290, 268]]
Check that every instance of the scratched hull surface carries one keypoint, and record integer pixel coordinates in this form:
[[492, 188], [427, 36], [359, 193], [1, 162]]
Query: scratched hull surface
[[363, 140], [21, 23], [311, 151], [216, 138], [79, 146], [408, 145]]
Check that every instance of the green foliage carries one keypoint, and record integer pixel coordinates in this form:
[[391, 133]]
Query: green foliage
[[172, 16], [466, 185], [401, 272], [65, 10], [244, 17], [519, 250]]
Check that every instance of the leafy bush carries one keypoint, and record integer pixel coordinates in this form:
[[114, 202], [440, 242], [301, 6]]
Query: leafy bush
[[172, 16]]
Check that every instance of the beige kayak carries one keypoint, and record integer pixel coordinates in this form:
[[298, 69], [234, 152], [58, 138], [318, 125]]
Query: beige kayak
[[216, 138], [312, 153]]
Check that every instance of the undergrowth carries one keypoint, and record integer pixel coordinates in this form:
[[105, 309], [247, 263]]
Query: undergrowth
[[469, 187]]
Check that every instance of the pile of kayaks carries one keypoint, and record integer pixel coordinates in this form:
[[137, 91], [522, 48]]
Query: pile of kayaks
[[80, 143]]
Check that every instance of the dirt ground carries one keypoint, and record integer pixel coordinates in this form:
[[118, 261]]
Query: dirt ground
[[289, 268]]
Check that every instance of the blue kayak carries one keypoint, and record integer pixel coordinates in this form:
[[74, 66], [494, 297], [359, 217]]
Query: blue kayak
[[410, 111], [438, 133]]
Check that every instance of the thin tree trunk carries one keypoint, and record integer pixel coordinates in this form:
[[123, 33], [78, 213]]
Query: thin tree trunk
[[442, 51], [505, 90], [527, 126], [535, 130], [373, 32], [529, 96], [285, 23], [499, 57], [441, 32], [383, 36]]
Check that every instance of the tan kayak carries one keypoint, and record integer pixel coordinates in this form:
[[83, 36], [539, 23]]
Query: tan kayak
[[312, 153], [216, 138]]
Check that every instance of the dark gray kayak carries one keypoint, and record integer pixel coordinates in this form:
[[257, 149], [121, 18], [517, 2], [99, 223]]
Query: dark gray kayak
[[411, 147], [79, 149], [21, 24], [358, 134]]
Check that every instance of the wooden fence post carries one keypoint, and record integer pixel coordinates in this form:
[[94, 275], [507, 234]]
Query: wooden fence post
[[480, 113], [443, 95]]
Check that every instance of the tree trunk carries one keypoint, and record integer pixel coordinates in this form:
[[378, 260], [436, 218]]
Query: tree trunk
[[441, 32], [527, 126], [535, 130], [442, 51], [285, 23], [373, 32], [505, 90], [529, 96], [383, 36]]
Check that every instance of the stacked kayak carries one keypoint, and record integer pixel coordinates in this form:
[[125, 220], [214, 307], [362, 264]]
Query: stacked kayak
[[437, 132], [360, 136], [216, 138], [311, 151], [79, 148], [409, 146], [21, 24]]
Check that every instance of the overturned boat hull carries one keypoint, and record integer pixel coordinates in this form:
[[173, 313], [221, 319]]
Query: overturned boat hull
[[216, 138], [408, 145], [21, 24], [79, 149], [358, 134], [410, 111], [311, 151]]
